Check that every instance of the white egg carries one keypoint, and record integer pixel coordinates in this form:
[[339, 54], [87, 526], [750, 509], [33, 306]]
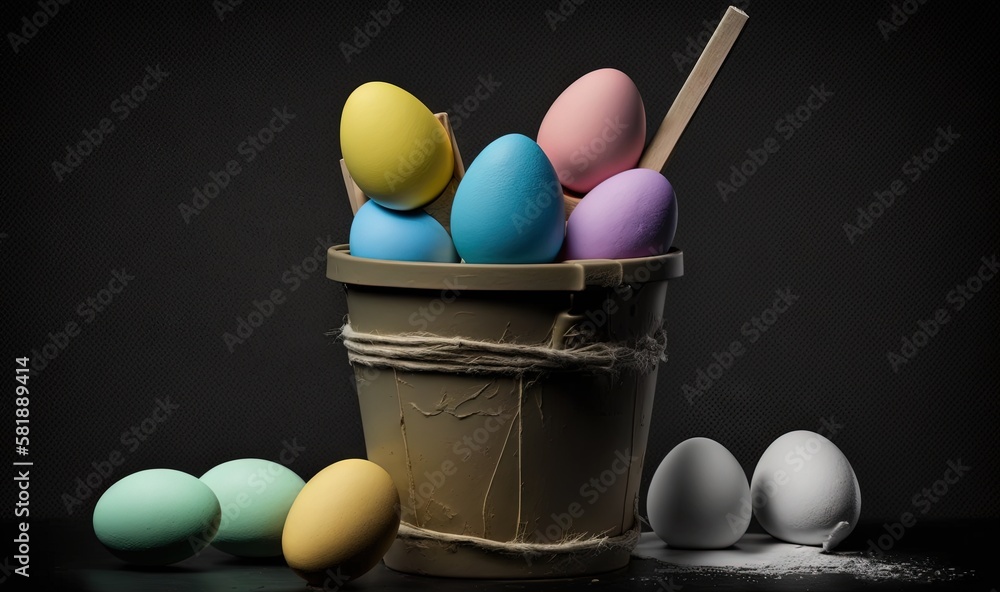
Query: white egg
[[805, 491], [698, 496]]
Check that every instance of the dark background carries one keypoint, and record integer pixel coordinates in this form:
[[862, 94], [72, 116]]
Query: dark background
[[825, 359]]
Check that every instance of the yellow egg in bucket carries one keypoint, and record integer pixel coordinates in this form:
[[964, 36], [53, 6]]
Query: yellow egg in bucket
[[394, 148]]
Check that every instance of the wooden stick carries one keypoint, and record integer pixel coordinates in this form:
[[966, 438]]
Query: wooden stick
[[571, 202], [354, 193], [686, 103], [440, 208], [687, 100]]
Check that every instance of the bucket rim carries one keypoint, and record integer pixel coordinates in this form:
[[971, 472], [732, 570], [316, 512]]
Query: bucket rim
[[574, 275]]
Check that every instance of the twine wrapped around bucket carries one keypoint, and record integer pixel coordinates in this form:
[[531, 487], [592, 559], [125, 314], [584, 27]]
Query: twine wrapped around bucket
[[574, 548], [426, 352]]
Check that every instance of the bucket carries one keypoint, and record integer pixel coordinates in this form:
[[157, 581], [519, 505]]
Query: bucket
[[508, 473]]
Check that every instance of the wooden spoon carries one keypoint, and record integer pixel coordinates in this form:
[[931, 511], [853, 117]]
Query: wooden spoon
[[659, 150]]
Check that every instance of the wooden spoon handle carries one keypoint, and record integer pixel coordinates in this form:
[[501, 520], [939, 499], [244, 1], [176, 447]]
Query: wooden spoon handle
[[656, 155], [686, 103]]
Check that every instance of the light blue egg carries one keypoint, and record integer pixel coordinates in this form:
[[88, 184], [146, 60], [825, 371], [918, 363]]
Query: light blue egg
[[157, 517], [255, 495], [509, 206], [413, 235]]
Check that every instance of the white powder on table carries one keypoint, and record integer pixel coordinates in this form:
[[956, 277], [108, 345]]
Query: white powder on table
[[763, 555]]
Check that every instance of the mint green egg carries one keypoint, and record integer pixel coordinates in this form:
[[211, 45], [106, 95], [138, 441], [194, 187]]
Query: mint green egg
[[156, 517], [255, 496]]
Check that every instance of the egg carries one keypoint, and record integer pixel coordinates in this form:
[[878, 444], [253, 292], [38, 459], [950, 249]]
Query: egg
[[396, 151], [632, 214], [804, 490], [156, 517], [697, 495], [594, 129], [342, 523], [381, 233], [509, 206], [255, 496]]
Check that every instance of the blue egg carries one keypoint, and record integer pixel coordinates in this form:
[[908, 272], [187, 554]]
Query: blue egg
[[413, 235], [509, 206]]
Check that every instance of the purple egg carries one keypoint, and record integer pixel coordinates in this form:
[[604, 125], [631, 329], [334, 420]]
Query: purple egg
[[631, 214]]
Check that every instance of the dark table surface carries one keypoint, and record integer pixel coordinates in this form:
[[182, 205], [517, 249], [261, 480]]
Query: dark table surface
[[67, 555]]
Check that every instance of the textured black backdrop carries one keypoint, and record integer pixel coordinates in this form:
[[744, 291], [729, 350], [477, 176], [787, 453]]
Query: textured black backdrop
[[887, 94]]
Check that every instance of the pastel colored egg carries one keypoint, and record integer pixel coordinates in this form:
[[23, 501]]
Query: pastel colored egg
[[255, 496], [156, 517], [509, 206], [594, 129], [342, 523], [381, 233], [632, 214], [398, 153], [699, 497]]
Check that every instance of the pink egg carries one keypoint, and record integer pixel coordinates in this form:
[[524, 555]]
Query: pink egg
[[632, 214], [594, 129]]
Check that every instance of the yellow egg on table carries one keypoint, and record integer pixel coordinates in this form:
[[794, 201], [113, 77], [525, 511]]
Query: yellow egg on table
[[397, 152], [341, 523]]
